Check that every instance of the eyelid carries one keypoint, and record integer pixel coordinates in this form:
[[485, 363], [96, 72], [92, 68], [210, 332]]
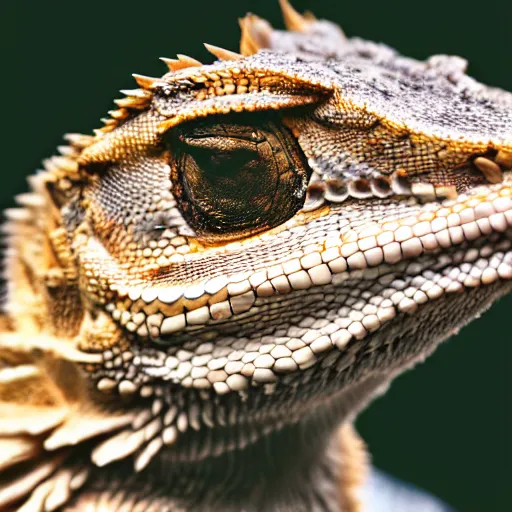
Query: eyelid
[[225, 144]]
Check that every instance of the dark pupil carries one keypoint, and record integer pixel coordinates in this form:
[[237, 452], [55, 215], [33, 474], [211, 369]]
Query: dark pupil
[[234, 178], [234, 186]]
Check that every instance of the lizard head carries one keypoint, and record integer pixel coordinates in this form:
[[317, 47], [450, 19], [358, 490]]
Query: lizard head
[[276, 230]]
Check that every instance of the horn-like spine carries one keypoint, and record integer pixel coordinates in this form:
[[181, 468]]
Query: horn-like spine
[[222, 53]]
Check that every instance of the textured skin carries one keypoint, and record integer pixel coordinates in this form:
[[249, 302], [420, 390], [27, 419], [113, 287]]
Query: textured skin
[[149, 361]]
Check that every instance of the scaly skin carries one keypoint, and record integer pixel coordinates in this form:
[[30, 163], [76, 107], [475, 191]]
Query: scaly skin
[[176, 339]]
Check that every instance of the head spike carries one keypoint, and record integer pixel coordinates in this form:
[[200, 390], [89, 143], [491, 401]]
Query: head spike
[[293, 20], [146, 82], [172, 64], [222, 53], [188, 61], [68, 151], [119, 114], [132, 102], [182, 62], [136, 93], [79, 140], [107, 128], [256, 34], [309, 16]]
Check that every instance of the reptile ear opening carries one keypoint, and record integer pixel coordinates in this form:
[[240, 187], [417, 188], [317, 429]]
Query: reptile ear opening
[[236, 175]]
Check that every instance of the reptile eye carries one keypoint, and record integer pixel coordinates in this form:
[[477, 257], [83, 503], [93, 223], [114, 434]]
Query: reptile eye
[[235, 176]]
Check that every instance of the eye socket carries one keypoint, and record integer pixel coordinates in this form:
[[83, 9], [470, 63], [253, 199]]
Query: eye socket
[[236, 175]]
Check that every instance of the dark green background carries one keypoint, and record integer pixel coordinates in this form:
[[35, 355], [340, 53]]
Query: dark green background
[[447, 426]]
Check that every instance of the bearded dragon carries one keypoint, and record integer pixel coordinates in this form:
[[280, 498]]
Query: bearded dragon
[[204, 294]]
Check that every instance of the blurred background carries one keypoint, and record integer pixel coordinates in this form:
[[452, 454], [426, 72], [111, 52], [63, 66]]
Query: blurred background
[[447, 426]]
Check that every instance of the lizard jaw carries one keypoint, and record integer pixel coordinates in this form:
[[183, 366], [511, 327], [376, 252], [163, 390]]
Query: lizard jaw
[[442, 248]]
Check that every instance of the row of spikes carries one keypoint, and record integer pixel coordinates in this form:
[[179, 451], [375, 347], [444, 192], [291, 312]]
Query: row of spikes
[[255, 34], [139, 99], [65, 166]]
